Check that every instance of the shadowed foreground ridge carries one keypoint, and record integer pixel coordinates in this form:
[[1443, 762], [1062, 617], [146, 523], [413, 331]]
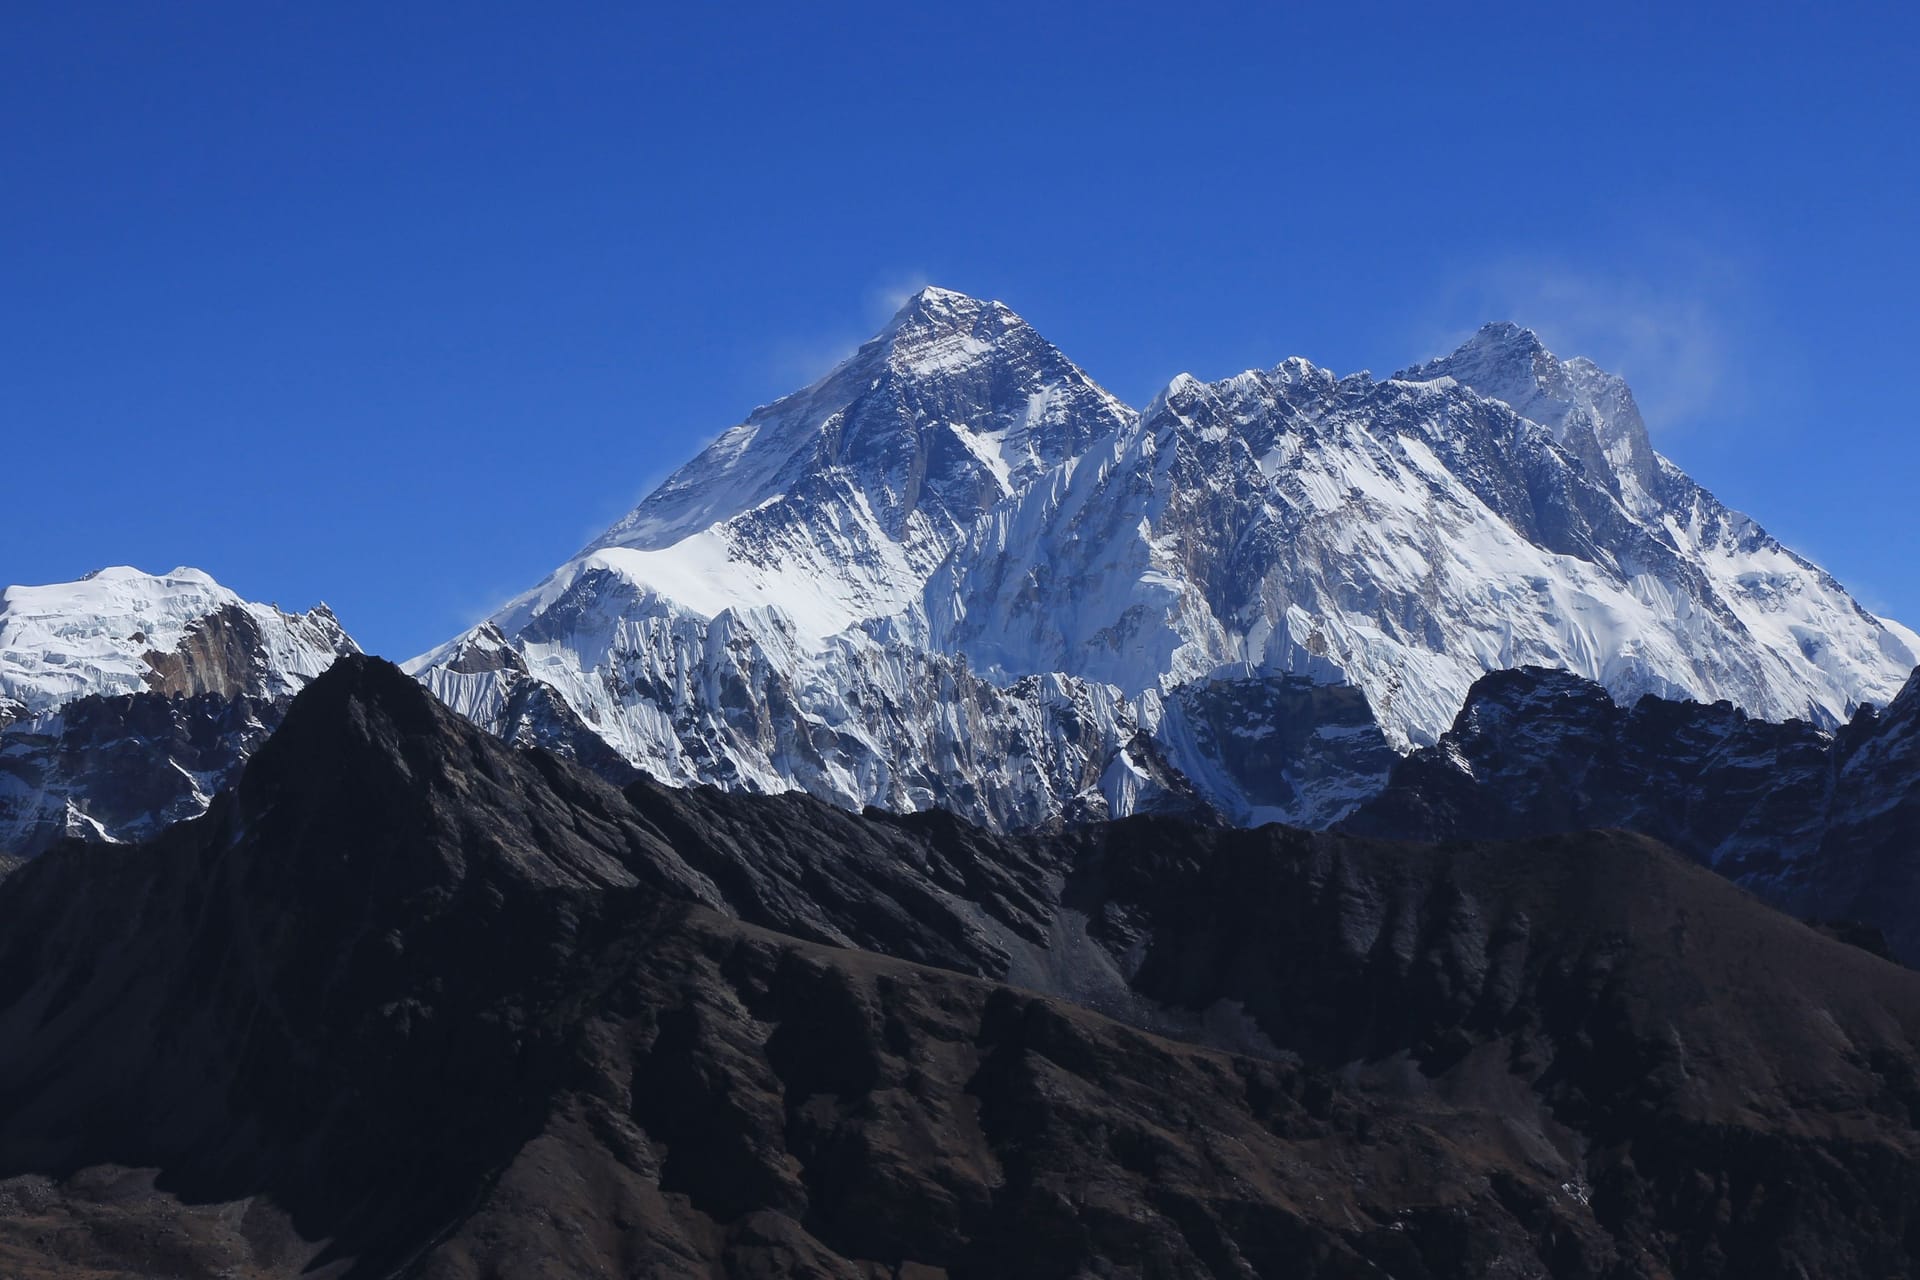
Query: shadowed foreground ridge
[[411, 1002]]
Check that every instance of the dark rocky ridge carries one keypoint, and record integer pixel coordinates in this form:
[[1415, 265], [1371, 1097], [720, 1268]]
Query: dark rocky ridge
[[1825, 826], [456, 1010]]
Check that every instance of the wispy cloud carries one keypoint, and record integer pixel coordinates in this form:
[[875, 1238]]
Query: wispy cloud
[[799, 359], [1669, 335], [891, 295]]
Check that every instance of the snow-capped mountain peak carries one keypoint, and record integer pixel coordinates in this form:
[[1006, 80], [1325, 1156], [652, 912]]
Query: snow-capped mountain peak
[[1591, 413], [956, 542], [119, 630], [954, 402], [128, 699], [832, 506], [938, 329]]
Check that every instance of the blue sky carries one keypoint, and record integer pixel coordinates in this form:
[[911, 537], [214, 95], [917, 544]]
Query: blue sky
[[396, 306]]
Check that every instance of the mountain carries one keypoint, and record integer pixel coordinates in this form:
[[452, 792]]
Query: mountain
[[409, 1001], [1405, 537], [119, 631], [955, 572], [127, 699], [1824, 825], [756, 623], [1790, 606]]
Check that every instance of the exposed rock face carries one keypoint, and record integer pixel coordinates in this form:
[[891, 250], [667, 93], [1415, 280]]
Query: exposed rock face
[[410, 1001], [1590, 412], [955, 572], [1536, 750], [1868, 863], [122, 768], [1825, 825], [128, 699], [224, 653], [1275, 749], [892, 725]]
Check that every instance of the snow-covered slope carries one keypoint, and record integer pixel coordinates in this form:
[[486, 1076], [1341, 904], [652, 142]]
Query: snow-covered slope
[[1405, 536], [127, 699], [955, 571], [834, 504], [119, 630], [1825, 655]]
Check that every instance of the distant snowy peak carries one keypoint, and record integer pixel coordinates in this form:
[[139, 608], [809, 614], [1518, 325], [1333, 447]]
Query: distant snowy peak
[[119, 631], [955, 402], [128, 699], [956, 571], [1590, 411], [831, 507]]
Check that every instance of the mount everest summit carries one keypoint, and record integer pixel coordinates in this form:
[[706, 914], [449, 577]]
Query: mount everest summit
[[956, 572]]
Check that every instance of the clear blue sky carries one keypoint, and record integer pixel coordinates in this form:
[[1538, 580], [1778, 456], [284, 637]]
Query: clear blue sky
[[396, 305]]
